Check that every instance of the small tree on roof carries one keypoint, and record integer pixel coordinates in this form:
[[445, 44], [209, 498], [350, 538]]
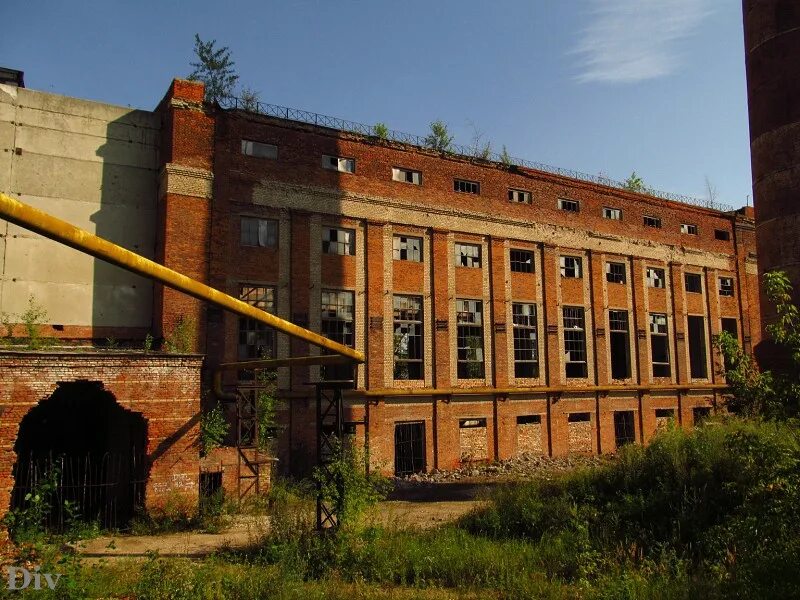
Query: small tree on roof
[[215, 68]]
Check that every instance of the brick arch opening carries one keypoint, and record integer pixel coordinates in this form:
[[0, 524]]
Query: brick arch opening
[[92, 448]]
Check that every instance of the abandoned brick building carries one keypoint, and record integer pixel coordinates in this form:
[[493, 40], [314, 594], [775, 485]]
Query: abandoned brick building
[[502, 308]]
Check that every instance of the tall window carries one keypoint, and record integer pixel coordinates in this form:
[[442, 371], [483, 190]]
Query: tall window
[[258, 232], [256, 340], [408, 337], [571, 266], [619, 344], [526, 340], [697, 347], [659, 345], [575, 342], [338, 241], [521, 261], [468, 255], [407, 248], [469, 321], [338, 325]]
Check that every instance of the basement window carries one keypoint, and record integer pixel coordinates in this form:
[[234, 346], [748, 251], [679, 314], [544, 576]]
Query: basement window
[[583, 417], [338, 163], [722, 234], [520, 196], [614, 214], [571, 267], [694, 283], [655, 277], [652, 222], [726, 286], [697, 347], [688, 228], [259, 149], [615, 272], [466, 187], [521, 261], [468, 255], [659, 345], [569, 205], [407, 176], [529, 419]]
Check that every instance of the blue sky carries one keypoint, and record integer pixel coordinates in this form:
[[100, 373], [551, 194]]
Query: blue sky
[[599, 86]]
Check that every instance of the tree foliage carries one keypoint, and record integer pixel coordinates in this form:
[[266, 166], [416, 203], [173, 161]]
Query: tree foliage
[[215, 68], [771, 394], [634, 183], [439, 138]]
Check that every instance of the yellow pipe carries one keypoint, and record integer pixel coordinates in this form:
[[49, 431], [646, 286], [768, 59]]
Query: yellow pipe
[[49, 226]]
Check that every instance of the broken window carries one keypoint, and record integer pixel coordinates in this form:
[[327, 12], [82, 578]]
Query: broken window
[[655, 277], [615, 272], [652, 222], [469, 323], [726, 286], [659, 345], [338, 325], [619, 344], [722, 234], [407, 248], [568, 205], [338, 163], [468, 255], [526, 340], [258, 232], [407, 176], [519, 196], [466, 187], [256, 340], [408, 337], [693, 282], [689, 228], [338, 241], [571, 266], [521, 261], [575, 342], [697, 347]]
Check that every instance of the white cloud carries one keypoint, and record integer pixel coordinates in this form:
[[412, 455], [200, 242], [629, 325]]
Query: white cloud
[[632, 40]]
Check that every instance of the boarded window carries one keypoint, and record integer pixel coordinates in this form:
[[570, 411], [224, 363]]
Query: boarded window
[[580, 432], [472, 438], [529, 435]]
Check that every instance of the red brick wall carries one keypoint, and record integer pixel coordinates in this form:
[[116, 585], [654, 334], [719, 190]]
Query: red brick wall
[[163, 389]]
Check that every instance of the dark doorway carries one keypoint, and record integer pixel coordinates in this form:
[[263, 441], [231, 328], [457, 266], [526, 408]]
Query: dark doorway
[[90, 448], [409, 448], [624, 431]]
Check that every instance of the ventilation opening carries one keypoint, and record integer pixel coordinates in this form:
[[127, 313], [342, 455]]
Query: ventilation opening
[[409, 448], [90, 449], [624, 432]]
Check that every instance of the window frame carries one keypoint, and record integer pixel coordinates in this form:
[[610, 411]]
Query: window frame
[[350, 245], [689, 229], [470, 187], [687, 288], [722, 235], [336, 328], [608, 210], [654, 222], [415, 332], [267, 151], [576, 268], [402, 171], [327, 163], [246, 232], [525, 329], [575, 341], [530, 261], [459, 257], [266, 300], [515, 193], [398, 239], [568, 205], [655, 277], [663, 337], [470, 360], [612, 277], [726, 287]]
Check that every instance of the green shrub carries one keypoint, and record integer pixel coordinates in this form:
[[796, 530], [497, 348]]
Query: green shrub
[[214, 428], [181, 339]]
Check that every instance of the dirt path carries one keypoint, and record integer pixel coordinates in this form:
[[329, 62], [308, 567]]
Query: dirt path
[[422, 510]]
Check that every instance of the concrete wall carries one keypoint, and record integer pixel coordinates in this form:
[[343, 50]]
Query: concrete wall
[[95, 166]]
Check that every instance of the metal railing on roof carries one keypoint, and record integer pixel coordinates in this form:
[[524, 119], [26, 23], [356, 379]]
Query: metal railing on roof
[[312, 118]]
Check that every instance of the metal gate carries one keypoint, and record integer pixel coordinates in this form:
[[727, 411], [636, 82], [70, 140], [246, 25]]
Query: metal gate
[[409, 448], [107, 489]]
